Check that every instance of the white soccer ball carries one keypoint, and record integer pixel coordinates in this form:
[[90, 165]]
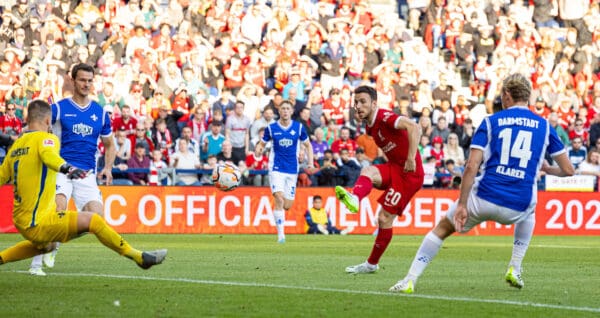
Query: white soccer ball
[[226, 176]]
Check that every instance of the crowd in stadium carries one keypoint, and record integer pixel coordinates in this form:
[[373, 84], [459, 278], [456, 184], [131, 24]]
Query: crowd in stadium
[[191, 83]]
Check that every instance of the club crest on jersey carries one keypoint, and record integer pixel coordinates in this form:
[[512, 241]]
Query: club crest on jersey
[[292, 133], [380, 135], [48, 143], [82, 129], [94, 117]]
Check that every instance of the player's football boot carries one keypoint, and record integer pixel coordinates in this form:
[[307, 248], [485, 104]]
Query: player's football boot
[[513, 278], [363, 268], [36, 272], [348, 199], [281, 240], [347, 230], [152, 258], [49, 258], [406, 286]]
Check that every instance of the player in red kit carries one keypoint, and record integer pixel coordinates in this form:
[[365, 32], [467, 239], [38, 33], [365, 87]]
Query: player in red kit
[[400, 178]]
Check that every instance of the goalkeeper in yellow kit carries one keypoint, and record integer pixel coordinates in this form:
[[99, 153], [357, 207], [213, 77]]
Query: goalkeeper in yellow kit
[[31, 165]]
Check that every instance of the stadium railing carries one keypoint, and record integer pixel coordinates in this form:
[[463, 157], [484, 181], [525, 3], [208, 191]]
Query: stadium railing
[[172, 173]]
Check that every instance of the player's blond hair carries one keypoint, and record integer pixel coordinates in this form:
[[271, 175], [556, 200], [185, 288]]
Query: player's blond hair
[[518, 87]]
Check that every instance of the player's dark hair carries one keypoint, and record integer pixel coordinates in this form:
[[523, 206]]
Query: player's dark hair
[[37, 110], [368, 90], [317, 197], [81, 67]]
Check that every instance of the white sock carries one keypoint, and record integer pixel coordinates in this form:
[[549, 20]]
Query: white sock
[[56, 249], [36, 262], [429, 248], [279, 216], [523, 233]]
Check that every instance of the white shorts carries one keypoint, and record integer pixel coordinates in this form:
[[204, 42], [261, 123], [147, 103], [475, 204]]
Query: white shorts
[[284, 182], [83, 190], [480, 210]]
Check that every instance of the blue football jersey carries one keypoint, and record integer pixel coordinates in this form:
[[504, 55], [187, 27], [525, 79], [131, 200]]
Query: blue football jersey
[[286, 146], [514, 142], [78, 129]]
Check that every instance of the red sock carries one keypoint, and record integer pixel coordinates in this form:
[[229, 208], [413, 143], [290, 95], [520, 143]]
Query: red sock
[[384, 236], [362, 187]]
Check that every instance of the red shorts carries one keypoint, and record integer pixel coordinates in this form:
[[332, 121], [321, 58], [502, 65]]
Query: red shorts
[[399, 187]]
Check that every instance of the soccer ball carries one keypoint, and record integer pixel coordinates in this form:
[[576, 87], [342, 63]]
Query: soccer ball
[[226, 176]]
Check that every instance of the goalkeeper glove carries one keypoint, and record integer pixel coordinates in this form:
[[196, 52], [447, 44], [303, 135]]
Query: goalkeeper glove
[[73, 172]]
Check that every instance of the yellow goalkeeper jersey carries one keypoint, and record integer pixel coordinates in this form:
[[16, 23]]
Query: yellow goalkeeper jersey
[[30, 165]]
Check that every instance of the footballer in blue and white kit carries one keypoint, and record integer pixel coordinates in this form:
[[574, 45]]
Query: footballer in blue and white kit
[[283, 158], [78, 129], [286, 136], [500, 180], [514, 142], [79, 122]]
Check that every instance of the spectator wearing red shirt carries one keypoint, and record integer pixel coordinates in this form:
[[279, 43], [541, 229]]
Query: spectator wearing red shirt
[[334, 107], [10, 124], [363, 15], [566, 116], [579, 131], [182, 46], [593, 109], [216, 16], [136, 101], [181, 103], [7, 79], [233, 73], [224, 51], [344, 142], [254, 70], [162, 42], [539, 108], [126, 121], [586, 75], [461, 110], [288, 52], [258, 161], [141, 138], [437, 150]]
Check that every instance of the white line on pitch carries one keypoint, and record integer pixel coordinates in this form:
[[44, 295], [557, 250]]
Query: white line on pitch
[[565, 246], [335, 290]]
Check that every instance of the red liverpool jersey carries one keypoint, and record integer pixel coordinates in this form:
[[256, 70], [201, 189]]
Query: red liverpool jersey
[[393, 142]]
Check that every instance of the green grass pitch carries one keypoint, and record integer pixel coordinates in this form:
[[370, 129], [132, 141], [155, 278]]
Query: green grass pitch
[[253, 276]]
